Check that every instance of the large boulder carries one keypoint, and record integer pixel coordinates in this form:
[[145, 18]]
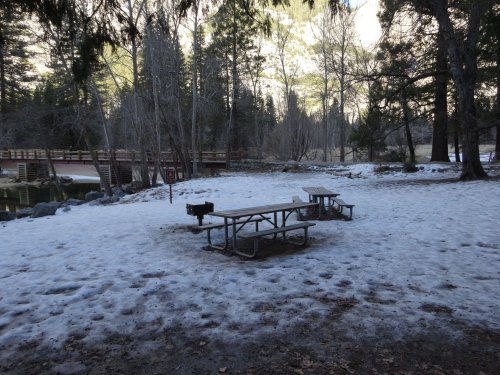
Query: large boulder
[[73, 202], [105, 200], [6, 216], [45, 209], [117, 191], [65, 180], [93, 195], [25, 212], [133, 187]]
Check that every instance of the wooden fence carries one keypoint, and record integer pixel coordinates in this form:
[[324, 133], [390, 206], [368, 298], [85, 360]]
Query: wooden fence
[[121, 156]]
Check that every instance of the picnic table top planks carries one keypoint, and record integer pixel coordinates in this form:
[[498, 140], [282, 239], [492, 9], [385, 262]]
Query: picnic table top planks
[[319, 191], [261, 210]]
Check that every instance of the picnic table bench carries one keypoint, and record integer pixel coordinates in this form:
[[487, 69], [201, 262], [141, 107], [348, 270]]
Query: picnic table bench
[[274, 231], [209, 227], [340, 206]]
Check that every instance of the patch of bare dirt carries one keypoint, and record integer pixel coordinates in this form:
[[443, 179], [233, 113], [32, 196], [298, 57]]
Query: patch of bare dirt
[[315, 346]]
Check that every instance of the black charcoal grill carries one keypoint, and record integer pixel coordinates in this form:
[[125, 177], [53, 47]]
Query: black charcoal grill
[[199, 210]]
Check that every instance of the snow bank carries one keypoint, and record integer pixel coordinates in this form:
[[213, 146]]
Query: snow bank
[[419, 248]]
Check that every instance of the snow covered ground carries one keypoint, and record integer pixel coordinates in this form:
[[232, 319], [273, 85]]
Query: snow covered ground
[[420, 249]]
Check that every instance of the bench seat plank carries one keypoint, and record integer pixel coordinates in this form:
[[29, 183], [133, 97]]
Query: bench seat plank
[[274, 231], [209, 227], [341, 204], [221, 225], [267, 232]]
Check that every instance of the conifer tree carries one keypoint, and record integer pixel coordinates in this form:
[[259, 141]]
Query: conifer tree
[[14, 59]]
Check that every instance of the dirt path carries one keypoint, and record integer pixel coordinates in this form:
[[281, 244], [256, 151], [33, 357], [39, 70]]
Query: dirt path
[[316, 346]]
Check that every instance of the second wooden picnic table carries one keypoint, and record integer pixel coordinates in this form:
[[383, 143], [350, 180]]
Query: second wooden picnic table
[[317, 194]]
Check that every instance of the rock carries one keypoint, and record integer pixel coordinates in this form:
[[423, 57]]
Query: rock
[[74, 202], [65, 180], [25, 212], [133, 187], [105, 200], [66, 209], [93, 195], [109, 200], [45, 209], [129, 190], [117, 191], [7, 216]]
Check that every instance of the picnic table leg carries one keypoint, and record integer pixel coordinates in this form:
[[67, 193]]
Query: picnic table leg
[[283, 222], [331, 201], [321, 204], [226, 233], [234, 235], [208, 238], [275, 214], [226, 238]]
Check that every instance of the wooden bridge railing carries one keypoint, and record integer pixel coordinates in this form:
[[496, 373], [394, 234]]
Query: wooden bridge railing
[[104, 156]]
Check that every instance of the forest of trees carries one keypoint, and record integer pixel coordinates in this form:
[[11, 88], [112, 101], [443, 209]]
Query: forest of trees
[[192, 75]]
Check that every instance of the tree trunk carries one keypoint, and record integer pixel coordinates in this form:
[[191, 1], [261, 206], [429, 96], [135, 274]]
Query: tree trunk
[[141, 133], [93, 153], [183, 152], [3, 84], [194, 130], [409, 138], [325, 104], [342, 126], [231, 122], [52, 168], [456, 143], [497, 146], [463, 66], [182, 147], [456, 131], [114, 165], [439, 130], [471, 167], [155, 139], [325, 128], [497, 108]]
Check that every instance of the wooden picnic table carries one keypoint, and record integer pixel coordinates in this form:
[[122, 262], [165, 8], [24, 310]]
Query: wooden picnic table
[[237, 218], [317, 194]]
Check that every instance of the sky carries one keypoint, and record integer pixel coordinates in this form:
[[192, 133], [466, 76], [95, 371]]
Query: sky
[[357, 3], [367, 24], [418, 244]]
